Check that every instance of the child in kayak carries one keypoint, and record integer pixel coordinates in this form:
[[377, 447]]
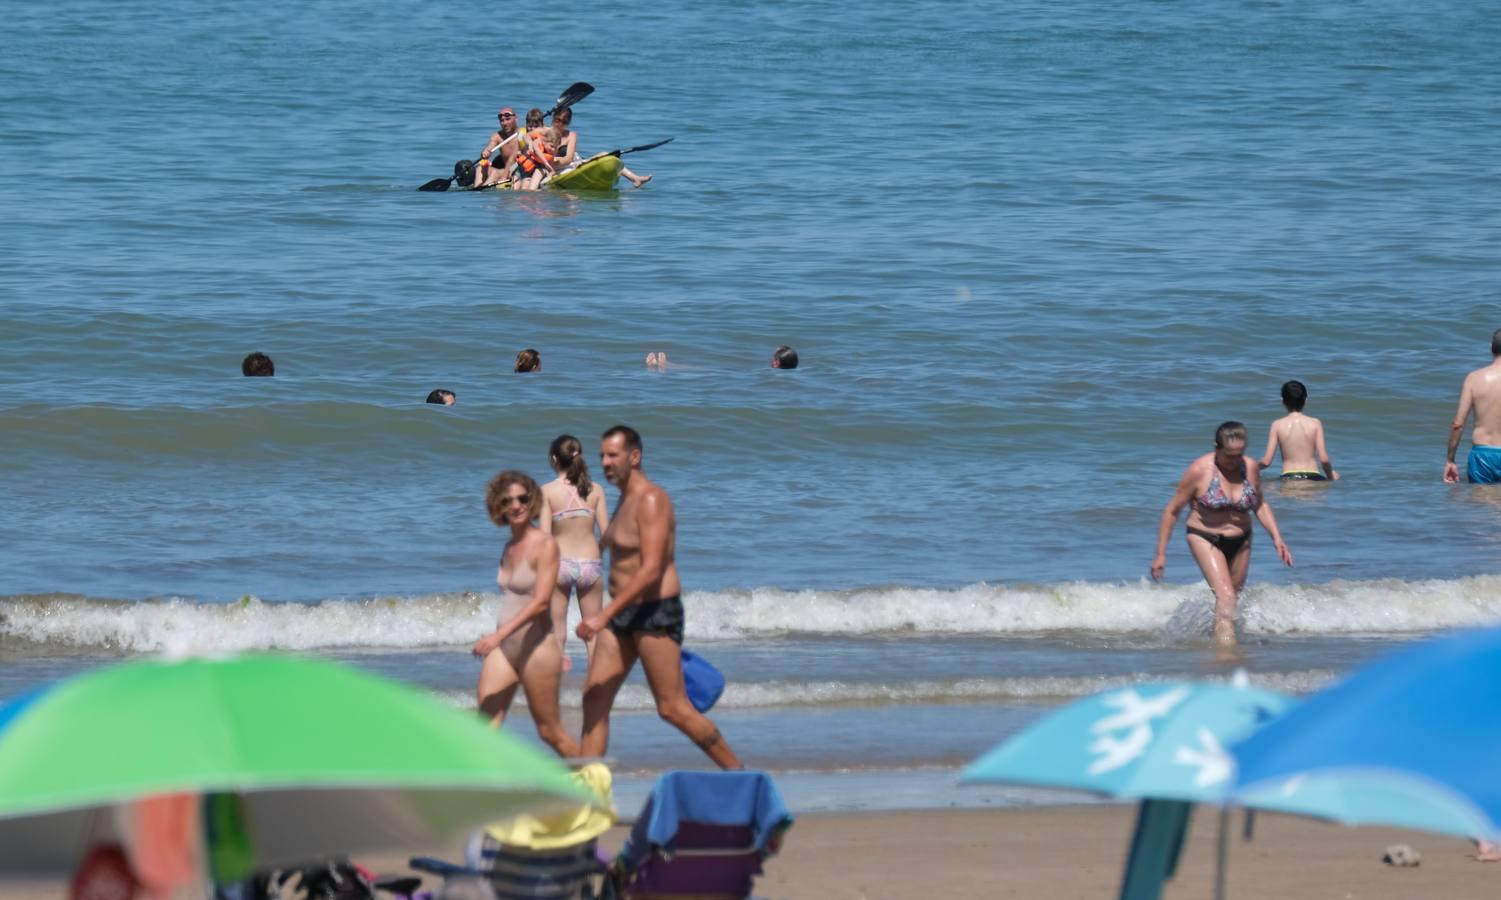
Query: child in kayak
[[534, 160]]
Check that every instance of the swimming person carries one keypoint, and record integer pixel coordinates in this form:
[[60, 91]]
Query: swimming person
[[1481, 395], [645, 616], [257, 365], [1219, 522], [572, 508], [529, 360], [1301, 439], [442, 397], [784, 357], [522, 651]]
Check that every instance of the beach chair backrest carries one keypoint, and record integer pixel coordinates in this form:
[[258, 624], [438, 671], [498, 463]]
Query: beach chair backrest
[[704, 835]]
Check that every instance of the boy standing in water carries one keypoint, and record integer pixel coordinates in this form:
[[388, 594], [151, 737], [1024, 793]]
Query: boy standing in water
[[1301, 439]]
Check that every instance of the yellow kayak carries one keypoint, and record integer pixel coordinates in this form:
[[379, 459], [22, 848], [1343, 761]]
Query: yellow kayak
[[598, 174]]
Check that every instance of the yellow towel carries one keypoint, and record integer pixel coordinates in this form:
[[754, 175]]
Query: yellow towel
[[567, 827]]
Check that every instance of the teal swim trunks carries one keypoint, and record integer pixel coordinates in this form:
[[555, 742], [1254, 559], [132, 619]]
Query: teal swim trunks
[[1485, 465]]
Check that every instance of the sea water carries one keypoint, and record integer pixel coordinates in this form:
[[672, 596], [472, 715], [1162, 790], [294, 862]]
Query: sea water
[[1031, 255]]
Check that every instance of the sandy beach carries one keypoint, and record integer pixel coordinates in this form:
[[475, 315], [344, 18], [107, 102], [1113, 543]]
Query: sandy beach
[[1070, 852]]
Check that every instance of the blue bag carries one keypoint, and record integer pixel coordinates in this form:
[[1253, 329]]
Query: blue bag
[[703, 682]]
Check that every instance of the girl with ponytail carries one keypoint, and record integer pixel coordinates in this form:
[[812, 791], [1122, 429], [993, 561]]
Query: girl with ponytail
[[573, 507]]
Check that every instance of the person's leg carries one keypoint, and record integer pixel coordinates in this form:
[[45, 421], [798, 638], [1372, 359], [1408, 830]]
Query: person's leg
[[1216, 571], [662, 661], [497, 687], [541, 678], [1485, 851], [610, 662], [558, 608], [633, 178], [591, 601]]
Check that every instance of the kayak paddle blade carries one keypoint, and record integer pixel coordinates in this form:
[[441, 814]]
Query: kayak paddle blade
[[575, 92], [437, 184]]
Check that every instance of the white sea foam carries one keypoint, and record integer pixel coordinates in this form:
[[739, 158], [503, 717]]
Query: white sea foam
[[635, 697], [446, 620]]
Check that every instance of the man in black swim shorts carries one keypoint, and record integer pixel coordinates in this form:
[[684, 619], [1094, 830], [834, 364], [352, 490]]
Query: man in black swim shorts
[[644, 618]]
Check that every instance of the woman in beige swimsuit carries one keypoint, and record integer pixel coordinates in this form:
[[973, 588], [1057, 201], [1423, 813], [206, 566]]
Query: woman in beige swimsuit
[[521, 651]]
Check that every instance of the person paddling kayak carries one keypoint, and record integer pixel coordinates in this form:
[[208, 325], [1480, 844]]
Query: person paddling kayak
[[486, 174]]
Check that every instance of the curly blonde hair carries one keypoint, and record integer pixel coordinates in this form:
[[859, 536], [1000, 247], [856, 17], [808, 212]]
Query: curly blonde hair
[[496, 492]]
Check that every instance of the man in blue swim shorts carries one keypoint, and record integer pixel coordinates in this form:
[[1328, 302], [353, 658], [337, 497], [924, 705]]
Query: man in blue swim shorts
[[1481, 395]]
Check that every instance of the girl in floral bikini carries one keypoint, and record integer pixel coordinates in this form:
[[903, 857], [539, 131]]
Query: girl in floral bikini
[[572, 508], [1219, 523]]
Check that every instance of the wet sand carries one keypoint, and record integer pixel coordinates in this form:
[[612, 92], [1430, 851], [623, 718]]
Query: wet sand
[[1070, 852]]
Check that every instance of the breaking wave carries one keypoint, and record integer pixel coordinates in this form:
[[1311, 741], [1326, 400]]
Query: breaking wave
[[635, 697], [1389, 606]]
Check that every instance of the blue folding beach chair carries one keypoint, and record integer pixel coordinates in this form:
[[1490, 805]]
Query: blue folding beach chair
[[703, 835]]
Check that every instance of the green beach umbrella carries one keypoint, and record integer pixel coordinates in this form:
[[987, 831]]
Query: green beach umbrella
[[296, 758]]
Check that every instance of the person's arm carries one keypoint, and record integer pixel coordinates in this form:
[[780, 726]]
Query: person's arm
[[1457, 431], [544, 518], [491, 145], [1269, 522], [1181, 495], [1323, 453], [601, 511], [547, 581], [1271, 447]]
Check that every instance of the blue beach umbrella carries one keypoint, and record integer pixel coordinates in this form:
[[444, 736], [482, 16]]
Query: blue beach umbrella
[[1162, 740], [1410, 740], [1162, 743]]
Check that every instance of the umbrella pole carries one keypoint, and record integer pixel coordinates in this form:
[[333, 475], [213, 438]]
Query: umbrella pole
[[1221, 851]]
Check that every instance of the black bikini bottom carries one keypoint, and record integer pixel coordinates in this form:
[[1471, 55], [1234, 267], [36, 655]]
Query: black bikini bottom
[[1230, 546]]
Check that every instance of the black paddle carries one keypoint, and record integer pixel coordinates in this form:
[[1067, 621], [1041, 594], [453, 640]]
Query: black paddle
[[571, 95], [636, 149], [618, 153]]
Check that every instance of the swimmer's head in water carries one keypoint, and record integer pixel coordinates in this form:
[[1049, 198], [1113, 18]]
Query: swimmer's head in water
[[1496, 343], [257, 364], [1231, 436], [1294, 396], [529, 360], [440, 396], [784, 358], [502, 488]]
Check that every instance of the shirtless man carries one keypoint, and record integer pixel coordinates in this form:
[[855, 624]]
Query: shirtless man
[[1481, 394], [1301, 439], [644, 618], [503, 139]]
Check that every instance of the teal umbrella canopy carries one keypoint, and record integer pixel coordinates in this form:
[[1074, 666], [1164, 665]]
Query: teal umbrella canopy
[[1155, 740], [326, 759]]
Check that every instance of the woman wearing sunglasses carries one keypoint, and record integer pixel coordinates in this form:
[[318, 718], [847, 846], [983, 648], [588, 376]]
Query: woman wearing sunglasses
[[522, 650]]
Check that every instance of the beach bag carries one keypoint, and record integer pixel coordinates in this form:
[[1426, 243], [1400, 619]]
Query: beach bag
[[703, 682]]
